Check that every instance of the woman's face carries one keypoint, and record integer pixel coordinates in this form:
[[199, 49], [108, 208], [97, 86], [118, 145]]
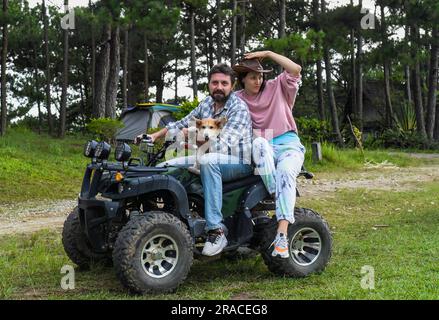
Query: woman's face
[[253, 82]]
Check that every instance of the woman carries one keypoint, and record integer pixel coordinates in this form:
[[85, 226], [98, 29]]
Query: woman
[[277, 151]]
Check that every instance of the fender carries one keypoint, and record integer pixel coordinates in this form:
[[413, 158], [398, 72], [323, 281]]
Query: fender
[[253, 195], [138, 186]]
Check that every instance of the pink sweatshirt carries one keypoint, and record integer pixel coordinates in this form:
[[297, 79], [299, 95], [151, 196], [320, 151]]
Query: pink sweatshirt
[[272, 108]]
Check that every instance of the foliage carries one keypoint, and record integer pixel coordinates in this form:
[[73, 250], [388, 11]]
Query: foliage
[[396, 138], [313, 129], [406, 117], [105, 129], [186, 108]]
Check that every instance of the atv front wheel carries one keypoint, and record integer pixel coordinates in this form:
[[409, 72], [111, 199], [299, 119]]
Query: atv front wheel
[[76, 244], [310, 245], [153, 253]]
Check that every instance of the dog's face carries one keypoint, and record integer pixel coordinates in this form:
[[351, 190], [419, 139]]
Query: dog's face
[[209, 128]]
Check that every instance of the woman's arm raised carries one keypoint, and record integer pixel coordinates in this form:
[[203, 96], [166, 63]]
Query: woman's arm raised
[[289, 66]]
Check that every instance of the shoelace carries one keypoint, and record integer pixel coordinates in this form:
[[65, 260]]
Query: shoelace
[[213, 237], [280, 242]]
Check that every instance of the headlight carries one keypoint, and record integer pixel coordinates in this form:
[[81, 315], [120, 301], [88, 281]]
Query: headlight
[[123, 152], [90, 148], [102, 150]]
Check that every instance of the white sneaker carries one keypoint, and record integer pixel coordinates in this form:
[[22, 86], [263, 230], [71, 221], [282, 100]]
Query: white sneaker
[[215, 243], [280, 246]]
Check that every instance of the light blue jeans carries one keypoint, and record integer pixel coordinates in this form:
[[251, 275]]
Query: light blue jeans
[[215, 168], [279, 165]]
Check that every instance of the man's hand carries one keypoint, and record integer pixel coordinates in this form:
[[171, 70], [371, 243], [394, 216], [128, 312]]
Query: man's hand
[[142, 136]]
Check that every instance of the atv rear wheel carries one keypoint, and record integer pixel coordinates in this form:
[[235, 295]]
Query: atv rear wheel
[[310, 245], [76, 244], [153, 253]]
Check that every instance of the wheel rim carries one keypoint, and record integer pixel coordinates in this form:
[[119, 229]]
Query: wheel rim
[[305, 246], [159, 256]]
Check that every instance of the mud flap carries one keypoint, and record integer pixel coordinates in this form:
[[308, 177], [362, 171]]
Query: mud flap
[[240, 227]]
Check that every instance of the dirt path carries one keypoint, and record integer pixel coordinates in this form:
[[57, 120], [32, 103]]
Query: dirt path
[[28, 217]]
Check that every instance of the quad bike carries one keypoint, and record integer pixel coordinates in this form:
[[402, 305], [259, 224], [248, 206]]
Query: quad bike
[[149, 221]]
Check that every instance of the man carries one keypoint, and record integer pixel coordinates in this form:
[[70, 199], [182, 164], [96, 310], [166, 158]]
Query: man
[[231, 156]]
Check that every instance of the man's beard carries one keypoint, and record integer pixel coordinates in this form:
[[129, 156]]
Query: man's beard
[[219, 96]]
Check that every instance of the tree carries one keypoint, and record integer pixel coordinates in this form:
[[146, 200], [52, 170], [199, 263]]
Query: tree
[[63, 107], [48, 79], [4, 109], [386, 66], [359, 81], [329, 87]]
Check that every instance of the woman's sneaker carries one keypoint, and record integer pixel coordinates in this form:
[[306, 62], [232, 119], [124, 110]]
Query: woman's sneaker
[[216, 242], [280, 246]]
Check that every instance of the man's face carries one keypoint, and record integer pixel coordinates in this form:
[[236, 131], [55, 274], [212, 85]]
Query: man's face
[[220, 86]]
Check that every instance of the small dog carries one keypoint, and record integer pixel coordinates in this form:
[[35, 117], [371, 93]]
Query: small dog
[[205, 131]]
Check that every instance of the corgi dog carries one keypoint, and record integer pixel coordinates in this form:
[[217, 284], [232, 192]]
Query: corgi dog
[[205, 131]]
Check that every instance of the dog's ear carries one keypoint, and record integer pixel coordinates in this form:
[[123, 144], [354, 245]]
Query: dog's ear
[[197, 121], [221, 122]]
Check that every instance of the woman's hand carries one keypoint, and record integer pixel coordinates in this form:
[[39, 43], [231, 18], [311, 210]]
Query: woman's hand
[[260, 55]]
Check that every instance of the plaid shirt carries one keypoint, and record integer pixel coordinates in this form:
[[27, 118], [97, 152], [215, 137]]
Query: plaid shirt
[[235, 137]]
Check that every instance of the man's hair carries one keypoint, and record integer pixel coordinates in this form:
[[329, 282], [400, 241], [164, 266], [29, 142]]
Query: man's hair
[[224, 69]]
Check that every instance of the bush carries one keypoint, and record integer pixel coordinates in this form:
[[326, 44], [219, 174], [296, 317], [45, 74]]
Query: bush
[[313, 130], [186, 108], [105, 129], [396, 138]]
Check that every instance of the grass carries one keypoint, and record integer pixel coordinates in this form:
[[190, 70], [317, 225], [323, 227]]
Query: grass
[[404, 254], [394, 232], [34, 167], [37, 168]]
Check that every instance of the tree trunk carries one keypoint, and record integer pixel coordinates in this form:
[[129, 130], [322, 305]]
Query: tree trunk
[[408, 91], [102, 71], [210, 50], [193, 60], [432, 83], [320, 100], [83, 97], [113, 77], [145, 68], [321, 105], [46, 52], [93, 64], [282, 24], [176, 81], [417, 90], [125, 67], [360, 76], [219, 32], [233, 49], [4, 107], [243, 26], [331, 97], [160, 87], [330, 90], [353, 73], [37, 91], [386, 66], [63, 107]]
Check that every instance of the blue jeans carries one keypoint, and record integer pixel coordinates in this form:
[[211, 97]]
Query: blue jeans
[[215, 168]]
